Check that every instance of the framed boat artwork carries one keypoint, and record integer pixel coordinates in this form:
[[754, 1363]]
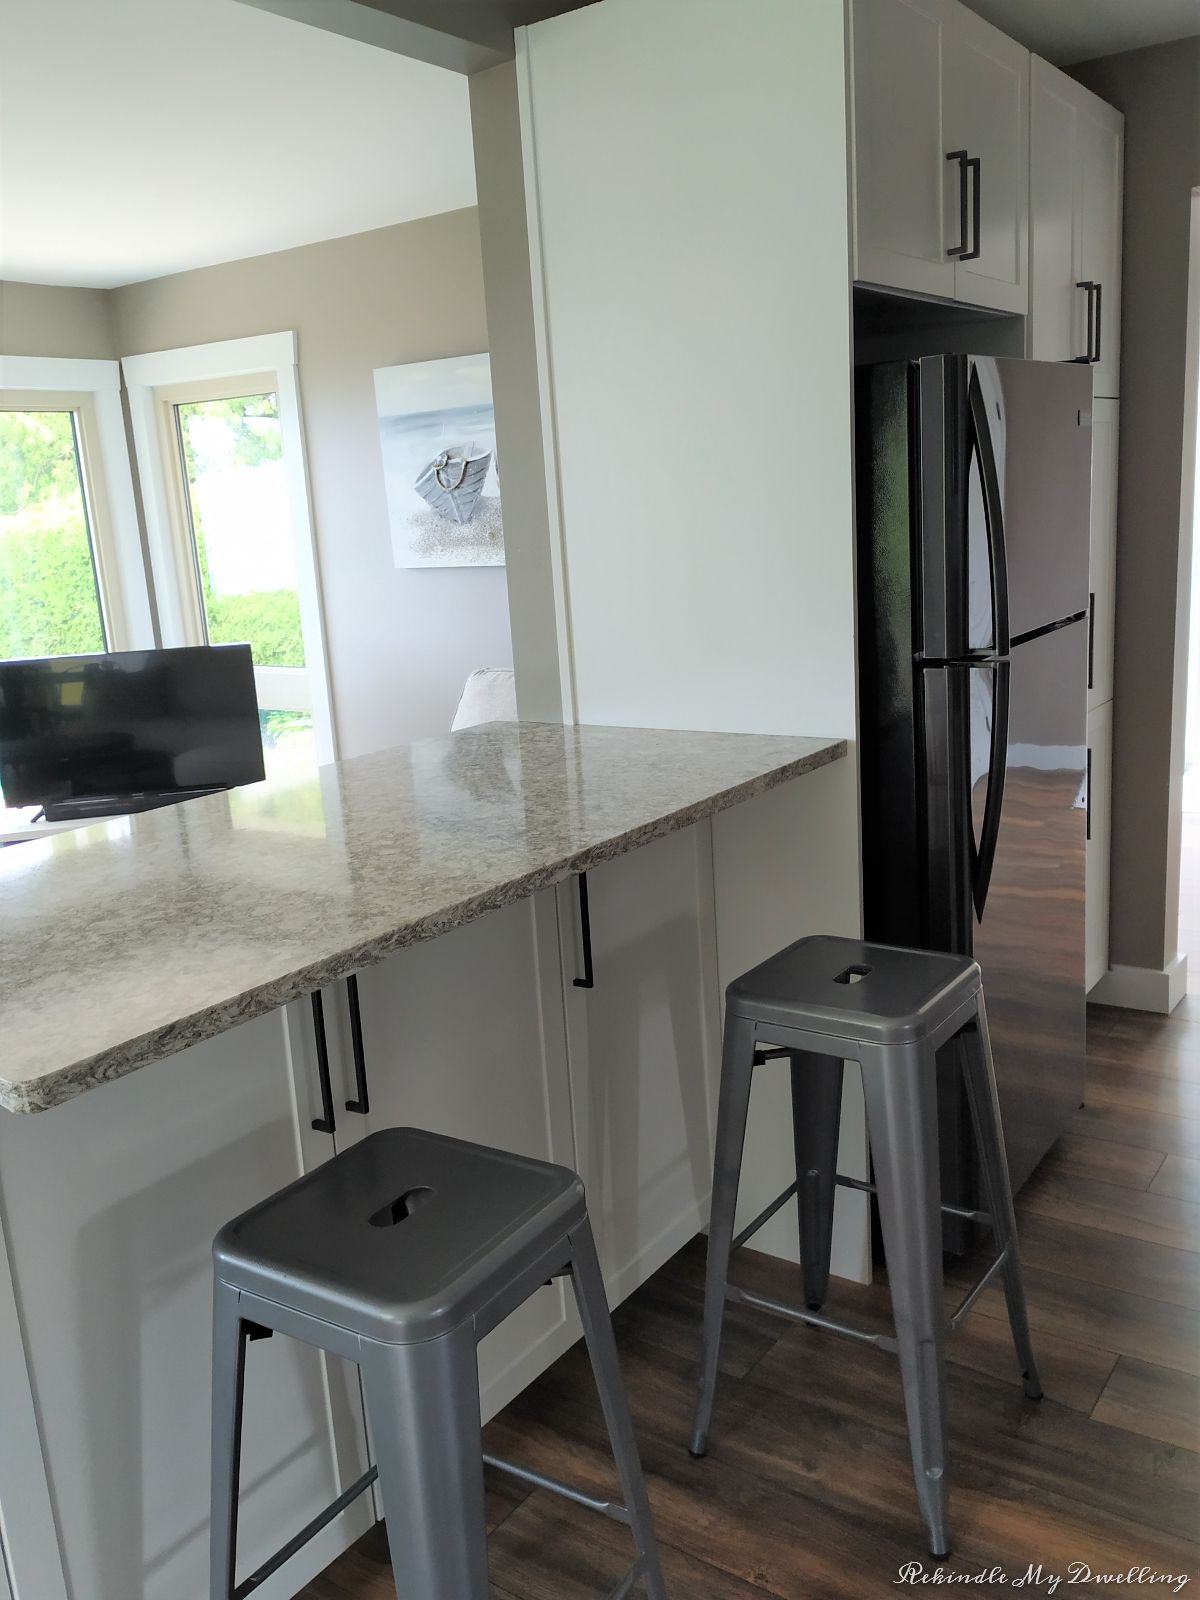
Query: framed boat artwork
[[437, 431]]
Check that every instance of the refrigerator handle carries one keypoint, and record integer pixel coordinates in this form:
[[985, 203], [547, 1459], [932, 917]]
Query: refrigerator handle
[[985, 855], [993, 512]]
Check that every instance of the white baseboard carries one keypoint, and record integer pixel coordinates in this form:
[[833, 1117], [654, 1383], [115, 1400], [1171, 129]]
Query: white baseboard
[[1143, 988]]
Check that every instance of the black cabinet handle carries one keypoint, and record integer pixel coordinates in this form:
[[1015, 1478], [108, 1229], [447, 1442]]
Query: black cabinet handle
[[362, 1100], [1091, 641], [1098, 318], [960, 249], [1086, 283], [1089, 792], [588, 981], [975, 166], [324, 1123]]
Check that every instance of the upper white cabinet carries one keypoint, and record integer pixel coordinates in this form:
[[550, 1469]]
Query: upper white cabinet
[[986, 96], [899, 158], [1076, 158], [941, 153]]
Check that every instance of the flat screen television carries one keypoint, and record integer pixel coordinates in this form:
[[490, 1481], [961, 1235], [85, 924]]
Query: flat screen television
[[99, 735]]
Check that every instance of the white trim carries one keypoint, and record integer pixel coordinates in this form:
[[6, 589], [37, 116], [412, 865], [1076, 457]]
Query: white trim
[[102, 381], [59, 372], [1143, 988], [229, 358], [197, 363], [545, 374]]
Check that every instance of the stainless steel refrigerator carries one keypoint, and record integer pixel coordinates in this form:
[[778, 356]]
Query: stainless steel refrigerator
[[974, 626]]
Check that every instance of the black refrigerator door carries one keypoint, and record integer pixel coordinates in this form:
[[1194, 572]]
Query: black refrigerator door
[[1027, 932], [1004, 452]]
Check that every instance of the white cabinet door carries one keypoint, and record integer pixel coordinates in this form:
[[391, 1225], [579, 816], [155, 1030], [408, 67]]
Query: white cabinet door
[[1102, 148], [110, 1204], [644, 1047], [1056, 304], [986, 98], [1103, 558], [463, 1035], [899, 146], [1076, 161], [1099, 841]]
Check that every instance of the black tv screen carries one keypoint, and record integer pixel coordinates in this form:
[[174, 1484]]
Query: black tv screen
[[129, 723]]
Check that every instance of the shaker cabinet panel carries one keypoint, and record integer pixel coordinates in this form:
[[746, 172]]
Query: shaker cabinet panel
[[644, 1048], [986, 94], [110, 1205], [1103, 559], [1101, 168], [462, 1035], [1056, 304], [1076, 160], [1099, 801], [899, 146]]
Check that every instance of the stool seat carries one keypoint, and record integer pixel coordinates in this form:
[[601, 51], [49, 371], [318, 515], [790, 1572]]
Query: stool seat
[[402, 1237], [875, 994]]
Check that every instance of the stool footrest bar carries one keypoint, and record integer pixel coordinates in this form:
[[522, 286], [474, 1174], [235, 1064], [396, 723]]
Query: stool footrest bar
[[309, 1531], [764, 1216], [625, 1587], [539, 1480], [964, 1212], [971, 1298], [744, 1297]]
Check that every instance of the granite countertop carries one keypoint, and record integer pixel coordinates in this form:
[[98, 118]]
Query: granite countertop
[[127, 940]]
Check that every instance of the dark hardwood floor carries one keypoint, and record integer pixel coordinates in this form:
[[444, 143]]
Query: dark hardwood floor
[[807, 1490]]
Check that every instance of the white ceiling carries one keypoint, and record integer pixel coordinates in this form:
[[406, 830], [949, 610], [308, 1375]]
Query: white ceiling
[[1065, 31], [141, 137]]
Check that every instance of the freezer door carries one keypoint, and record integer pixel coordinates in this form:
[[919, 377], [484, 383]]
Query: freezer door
[[1028, 928], [1039, 437]]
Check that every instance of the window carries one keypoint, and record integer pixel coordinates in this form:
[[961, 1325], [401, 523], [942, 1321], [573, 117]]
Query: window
[[220, 452], [230, 455], [72, 577], [50, 601]]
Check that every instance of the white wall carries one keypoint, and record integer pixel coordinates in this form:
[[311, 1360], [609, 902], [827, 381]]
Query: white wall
[[685, 177]]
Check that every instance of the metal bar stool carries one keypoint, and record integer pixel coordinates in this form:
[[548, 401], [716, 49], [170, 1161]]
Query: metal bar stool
[[821, 1002], [400, 1254]]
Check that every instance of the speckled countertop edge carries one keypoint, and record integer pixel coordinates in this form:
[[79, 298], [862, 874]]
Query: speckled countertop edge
[[61, 1084]]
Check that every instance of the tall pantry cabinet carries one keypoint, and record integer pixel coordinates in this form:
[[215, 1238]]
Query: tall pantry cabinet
[[1076, 160]]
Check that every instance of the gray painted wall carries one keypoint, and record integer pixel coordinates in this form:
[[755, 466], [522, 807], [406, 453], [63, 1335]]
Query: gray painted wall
[[401, 643], [1158, 89], [37, 319]]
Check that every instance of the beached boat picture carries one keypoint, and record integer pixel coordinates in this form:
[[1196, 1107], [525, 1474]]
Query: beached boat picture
[[453, 481], [437, 432]]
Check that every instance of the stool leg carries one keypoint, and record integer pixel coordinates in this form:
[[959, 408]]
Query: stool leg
[[737, 1070], [602, 1349], [228, 1372], [423, 1407], [901, 1095], [980, 1075], [816, 1120]]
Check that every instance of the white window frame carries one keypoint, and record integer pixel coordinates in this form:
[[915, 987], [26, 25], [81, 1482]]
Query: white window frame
[[146, 378], [92, 389]]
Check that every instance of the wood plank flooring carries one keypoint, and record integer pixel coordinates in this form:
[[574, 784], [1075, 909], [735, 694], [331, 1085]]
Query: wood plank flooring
[[807, 1490]]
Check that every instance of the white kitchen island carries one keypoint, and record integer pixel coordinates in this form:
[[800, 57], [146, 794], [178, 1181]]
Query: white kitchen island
[[156, 1007]]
